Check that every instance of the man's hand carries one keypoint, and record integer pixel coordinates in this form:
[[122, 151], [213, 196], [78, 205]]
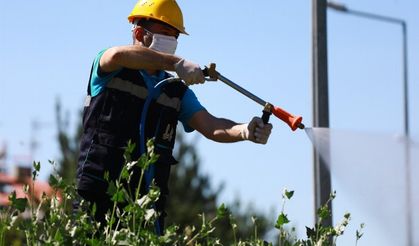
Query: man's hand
[[189, 72], [256, 131]]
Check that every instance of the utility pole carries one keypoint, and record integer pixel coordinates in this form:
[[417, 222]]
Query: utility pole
[[322, 180], [34, 144]]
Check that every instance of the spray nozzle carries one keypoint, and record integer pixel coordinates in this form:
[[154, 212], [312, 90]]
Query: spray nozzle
[[293, 121]]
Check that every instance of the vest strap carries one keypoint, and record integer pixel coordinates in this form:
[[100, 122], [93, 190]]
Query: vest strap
[[142, 93]]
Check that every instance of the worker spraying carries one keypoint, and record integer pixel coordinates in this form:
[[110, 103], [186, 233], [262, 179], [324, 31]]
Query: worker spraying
[[131, 97]]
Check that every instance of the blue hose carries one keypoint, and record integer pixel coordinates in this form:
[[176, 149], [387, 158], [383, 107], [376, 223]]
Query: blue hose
[[149, 172]]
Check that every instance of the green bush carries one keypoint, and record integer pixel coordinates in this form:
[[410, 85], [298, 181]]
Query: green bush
[[52, 221]]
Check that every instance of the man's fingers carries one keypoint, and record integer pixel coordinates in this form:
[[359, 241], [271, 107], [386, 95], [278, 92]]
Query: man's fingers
[[262, 133], [200, 77], [189, 72], [259, 122], [257, 131], [266, 129]]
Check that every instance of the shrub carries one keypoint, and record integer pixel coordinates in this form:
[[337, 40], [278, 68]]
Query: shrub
[[52, 221]]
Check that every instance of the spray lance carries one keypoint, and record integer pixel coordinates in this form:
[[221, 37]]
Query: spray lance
[[293, 121]]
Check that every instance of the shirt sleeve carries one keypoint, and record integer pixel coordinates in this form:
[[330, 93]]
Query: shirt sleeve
[[188, 107], [99, 79]]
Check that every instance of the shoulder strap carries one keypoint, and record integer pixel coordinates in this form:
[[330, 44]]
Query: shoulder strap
[[175, 89], [89, 93]]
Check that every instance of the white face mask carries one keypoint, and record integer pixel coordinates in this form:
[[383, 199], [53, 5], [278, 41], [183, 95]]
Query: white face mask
[[163, 43]]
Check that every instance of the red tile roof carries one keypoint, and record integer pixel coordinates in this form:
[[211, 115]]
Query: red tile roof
[[40, 187]]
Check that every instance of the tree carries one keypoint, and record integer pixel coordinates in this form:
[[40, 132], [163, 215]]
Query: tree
[[69, 145]]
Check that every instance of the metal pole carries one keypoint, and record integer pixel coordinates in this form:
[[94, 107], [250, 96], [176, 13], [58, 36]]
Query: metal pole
[[374, 16], [322, 180], [406, 133], [405, 81], [342, 8]]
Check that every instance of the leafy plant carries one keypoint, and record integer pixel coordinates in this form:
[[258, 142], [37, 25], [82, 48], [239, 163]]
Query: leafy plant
[[132, 217]]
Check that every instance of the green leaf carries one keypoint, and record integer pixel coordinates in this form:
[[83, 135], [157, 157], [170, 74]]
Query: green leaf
[[18, 203], [35, 172], [94, 208], [222, 211], [323, 212], [142, 162], [53, 181], [94, 242], [12, 197], [124, 173], [359, 232], [311, 233], [57, 182], [154, 192], [37, 166], [282, 220], [153, 158], [118, 196], [111, 189], [347, 216], [332, 195], [150, 146], [289, 194], [106, 176], [58, 237], [129, 150]]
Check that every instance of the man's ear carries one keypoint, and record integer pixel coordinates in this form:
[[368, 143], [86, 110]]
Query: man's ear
[[138, 34]]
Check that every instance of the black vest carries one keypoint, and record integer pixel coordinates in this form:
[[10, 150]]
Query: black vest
[[113, 117]]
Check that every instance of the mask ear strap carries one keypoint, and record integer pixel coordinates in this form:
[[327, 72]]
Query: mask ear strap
[[148, 32]]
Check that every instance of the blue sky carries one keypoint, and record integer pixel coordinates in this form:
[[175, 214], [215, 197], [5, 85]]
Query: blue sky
[[46, 49]]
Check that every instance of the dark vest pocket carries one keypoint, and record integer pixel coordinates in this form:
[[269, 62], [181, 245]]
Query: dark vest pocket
[[105, 155]]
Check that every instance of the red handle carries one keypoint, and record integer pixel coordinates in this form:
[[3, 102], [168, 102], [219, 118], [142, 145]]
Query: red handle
[[291, 120]]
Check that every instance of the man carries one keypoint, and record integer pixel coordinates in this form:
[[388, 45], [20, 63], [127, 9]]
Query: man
[[127, 101]]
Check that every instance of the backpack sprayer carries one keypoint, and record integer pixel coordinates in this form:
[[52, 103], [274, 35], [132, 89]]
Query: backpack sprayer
[[293, 121]]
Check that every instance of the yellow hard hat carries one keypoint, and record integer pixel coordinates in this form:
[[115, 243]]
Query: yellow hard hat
[[167, 11]]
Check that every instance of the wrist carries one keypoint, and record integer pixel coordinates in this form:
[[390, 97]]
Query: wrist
[[244, 133], [175, 61]]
